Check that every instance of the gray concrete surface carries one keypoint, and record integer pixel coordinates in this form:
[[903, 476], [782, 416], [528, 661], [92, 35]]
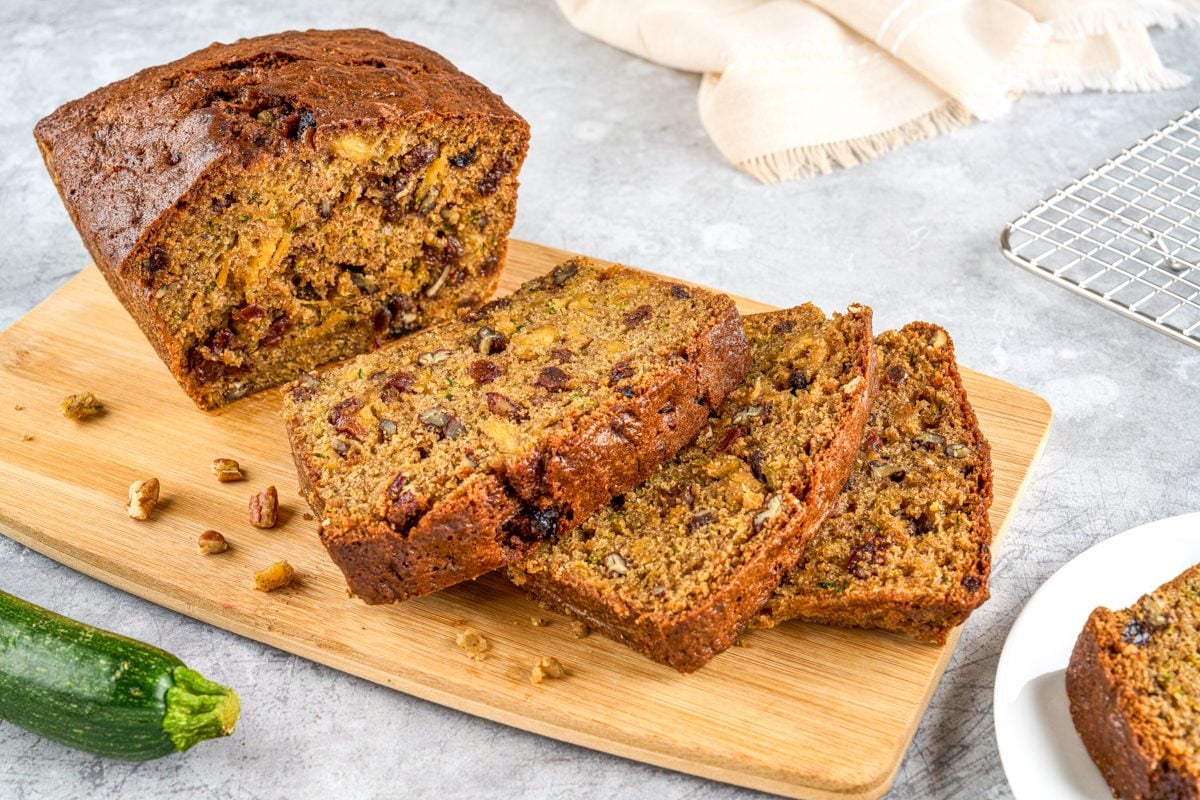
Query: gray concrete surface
[[620, 168]]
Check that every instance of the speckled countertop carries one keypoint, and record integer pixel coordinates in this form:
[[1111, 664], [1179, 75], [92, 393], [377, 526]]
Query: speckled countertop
[[620, 168]]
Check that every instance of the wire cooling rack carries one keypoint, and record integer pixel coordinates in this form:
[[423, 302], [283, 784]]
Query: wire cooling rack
[[1127, 234]]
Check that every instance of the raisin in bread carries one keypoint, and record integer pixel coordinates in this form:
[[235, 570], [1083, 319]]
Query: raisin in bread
[[419, 456], [677, 566], [266, 206], [1134, 688], [907, 547]]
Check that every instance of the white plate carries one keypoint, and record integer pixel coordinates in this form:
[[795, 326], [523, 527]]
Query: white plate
[[1041, 753]]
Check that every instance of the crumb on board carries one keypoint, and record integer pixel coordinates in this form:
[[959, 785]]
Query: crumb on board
[[546, 667], [80, 406], [473, 643], [25, 437], [276, 576], [18, 407], [741, 642], [309, 516], [539, 622], [580, 628]]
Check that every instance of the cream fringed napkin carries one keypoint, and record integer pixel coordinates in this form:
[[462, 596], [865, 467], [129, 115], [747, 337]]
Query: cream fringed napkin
[[792, 88]]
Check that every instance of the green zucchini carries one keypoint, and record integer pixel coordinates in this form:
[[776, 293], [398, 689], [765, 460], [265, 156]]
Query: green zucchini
[[103, 692]]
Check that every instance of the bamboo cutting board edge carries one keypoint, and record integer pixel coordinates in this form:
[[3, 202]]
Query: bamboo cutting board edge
[[525, 260]]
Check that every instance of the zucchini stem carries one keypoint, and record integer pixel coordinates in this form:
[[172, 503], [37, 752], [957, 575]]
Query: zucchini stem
[[198, 709]]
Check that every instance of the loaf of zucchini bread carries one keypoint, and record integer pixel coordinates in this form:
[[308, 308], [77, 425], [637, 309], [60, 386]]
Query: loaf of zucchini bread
[[455, 450], [907, 547], [676, 567], [1133, 682], [266, 206]]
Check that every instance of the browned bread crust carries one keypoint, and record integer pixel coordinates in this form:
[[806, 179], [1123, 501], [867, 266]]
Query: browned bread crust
[[907, 548], [1132, 683], [613, 371], [136, 160], [677, 567]]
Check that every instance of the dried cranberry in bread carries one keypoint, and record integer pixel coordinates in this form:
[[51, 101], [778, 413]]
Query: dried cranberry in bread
[[419, 456], [676, 567], [266, 206], [907, 547], [1134, 688]]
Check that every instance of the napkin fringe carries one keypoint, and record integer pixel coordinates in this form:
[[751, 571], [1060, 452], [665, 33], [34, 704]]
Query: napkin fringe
[[807, 161], [994, 95], [1146, 15], [1125, 79], [1168, 14]]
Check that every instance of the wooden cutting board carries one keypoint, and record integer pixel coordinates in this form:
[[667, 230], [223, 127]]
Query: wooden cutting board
[[802, 710]]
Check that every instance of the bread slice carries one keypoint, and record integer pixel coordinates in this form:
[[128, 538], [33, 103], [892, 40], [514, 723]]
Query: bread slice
[[1134, 688], [266, 206], [418, 457], [907, 547], [677, 566]]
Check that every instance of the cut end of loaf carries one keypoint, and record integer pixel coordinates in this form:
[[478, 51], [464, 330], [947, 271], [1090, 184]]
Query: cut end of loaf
[[270, 205], [308, 260]]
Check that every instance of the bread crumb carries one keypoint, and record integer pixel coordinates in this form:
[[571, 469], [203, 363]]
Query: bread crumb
[[473, 643], [546, 667], [276, 576], [18, 407], [740, 642], [80, 406], [539, 622], [580, 629], [25, 437], [309, 516]]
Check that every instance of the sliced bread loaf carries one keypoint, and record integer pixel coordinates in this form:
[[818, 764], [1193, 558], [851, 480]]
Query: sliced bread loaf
[[270, 205], [675, 567], [550, 401], [1134, 688], [907, 546]]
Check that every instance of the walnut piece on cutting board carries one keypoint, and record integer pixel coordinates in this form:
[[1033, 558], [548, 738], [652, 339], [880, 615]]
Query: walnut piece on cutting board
[[211, 543], [264, 508], [143, 497], [226, 470]]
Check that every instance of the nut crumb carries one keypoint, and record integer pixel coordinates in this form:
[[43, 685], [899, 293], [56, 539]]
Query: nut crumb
[[473, 643], [79, 406], [546, 667], [580, 629], [539, 622], [264, 508], [143, 497], [212, 542], [226, 470], [276, 576]]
